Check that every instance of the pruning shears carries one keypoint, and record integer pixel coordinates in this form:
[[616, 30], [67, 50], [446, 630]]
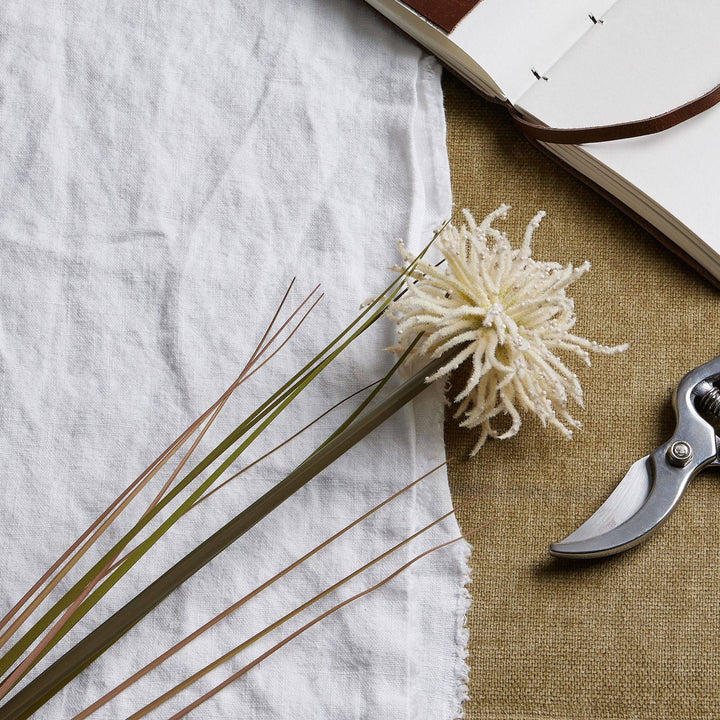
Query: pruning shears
[[653, 485]]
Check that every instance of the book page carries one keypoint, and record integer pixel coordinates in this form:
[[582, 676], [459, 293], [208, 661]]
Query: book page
[[647, 57], [513, 39]]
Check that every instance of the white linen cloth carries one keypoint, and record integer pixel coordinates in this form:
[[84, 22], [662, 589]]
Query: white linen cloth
[[166, 169]]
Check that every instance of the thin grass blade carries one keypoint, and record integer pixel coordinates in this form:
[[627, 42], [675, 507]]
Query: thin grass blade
[[49, 682]]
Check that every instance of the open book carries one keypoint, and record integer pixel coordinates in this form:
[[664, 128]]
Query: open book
[[568, 64]]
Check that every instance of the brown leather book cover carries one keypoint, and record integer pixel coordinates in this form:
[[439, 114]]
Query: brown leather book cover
[[446, 14]]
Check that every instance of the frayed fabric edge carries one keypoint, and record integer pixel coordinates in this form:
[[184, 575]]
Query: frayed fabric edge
[[461, 675]]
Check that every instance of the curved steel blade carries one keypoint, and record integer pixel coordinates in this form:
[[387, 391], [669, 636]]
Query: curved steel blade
[[624, 501], [667, 484]]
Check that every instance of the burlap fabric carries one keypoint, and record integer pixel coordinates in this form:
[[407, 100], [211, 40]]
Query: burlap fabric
[[636, 636]]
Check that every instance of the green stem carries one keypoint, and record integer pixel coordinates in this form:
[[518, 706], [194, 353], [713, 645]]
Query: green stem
[[62, 671], [375, 392], [264, 415]]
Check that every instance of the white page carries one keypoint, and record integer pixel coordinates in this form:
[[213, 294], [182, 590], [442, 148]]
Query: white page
[[510, 38], [648, 56]]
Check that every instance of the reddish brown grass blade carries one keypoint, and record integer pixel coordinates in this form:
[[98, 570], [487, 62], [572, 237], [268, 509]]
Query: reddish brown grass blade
[[213, 411], [203, 698], [151, 469], [195, 634]]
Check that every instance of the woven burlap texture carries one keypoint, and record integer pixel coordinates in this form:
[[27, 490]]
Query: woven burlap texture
[[635, 636]]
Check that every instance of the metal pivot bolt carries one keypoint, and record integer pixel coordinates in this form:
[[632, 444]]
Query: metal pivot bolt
[[679, 454]]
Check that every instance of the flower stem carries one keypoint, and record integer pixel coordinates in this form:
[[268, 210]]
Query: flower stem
[[258, 420], [63, 670]]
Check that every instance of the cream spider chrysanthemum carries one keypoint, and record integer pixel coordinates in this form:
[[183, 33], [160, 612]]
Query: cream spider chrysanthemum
[[506, 313]]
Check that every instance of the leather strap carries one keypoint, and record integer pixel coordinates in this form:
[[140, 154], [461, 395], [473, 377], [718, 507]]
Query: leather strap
[[618, 131]]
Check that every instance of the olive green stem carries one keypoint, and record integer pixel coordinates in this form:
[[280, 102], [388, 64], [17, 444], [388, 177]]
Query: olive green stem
[[63, 670], [260, 419]]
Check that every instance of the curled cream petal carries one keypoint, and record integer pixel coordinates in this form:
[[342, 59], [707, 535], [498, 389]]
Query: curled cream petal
[[506, 314]]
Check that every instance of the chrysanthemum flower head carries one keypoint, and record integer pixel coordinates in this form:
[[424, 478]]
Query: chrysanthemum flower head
[[505, 313]]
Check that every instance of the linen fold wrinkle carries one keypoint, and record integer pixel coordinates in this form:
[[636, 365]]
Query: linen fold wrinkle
[[167, 169]]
